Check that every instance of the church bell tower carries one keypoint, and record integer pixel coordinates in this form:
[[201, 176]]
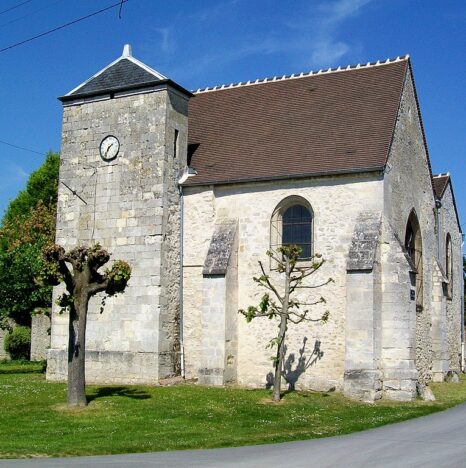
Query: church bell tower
[[124, 146]]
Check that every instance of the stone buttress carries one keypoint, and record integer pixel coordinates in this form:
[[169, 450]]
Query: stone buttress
[[219, 335]]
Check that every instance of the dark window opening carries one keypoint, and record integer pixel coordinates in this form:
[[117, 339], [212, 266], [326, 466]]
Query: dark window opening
[[175, 143], [297, 229], [449, 266], [413, 246], [192, 147], [410, 243]]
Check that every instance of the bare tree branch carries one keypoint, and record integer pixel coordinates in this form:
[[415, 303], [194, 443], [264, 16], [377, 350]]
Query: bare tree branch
[[66, 274], [272, 288], [315, 286], [97, 287]]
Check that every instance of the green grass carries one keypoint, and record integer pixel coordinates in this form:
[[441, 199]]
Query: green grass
[[22, 367], [34, 420]]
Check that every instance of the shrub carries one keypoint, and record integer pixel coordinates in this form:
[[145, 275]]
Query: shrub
[[18, 343]]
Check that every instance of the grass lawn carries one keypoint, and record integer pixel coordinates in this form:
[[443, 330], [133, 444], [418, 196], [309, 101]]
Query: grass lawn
[[34, 420]]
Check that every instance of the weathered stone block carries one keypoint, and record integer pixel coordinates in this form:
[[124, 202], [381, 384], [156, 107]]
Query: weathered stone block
[[40, 336]]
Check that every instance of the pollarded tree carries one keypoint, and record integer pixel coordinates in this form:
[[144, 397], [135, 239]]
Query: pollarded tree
[[280, 301], [82, 281]]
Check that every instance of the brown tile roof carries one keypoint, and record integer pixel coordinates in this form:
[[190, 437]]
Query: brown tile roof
[[340, 121], [440, 184]]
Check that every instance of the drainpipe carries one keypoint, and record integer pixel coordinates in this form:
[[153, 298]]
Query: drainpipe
[[187, 172], [180, 187]]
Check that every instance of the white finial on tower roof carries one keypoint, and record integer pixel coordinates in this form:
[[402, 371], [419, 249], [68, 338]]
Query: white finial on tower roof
[[127, 50]]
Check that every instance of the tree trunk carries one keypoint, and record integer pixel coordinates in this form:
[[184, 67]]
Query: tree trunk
[[77, 352], [276, 394]]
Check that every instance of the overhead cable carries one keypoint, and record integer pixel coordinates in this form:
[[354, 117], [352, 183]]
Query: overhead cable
[[22, 148], [50, 31], [15, 6]]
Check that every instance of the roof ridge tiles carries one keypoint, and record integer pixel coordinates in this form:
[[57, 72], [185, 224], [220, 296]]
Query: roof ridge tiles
[[296, 76]]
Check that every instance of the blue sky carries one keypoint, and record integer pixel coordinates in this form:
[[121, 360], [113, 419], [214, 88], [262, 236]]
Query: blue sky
[[206, 43]]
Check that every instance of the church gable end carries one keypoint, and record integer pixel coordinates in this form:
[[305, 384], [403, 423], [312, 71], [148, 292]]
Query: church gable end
[[420, 311]]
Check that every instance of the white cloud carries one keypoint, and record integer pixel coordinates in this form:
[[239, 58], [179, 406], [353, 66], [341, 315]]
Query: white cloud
[[214, 12], [167, 44], [14, 177], [18, 174], [308, 38], [315, 35], [328, 52], [340, 10]]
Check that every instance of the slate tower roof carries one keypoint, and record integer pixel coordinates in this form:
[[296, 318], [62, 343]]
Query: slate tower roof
[[124, 74]]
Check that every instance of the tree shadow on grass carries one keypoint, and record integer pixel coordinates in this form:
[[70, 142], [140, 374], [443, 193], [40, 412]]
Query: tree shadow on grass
[[128, 392]]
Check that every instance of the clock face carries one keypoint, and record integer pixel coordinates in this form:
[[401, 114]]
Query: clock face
[[109, 148]]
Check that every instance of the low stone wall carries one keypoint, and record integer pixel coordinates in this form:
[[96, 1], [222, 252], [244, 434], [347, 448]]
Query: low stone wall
[[40, 336], [3, 353], [3, 332], [108, 367]]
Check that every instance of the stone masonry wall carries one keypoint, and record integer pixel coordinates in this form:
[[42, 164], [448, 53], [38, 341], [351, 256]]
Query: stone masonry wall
[[319, 348], [453, 305], [130, 205], [407, 186], [398, 321], [176, 153], [8, 323], [219, 319], [199, 218], [363, 333], [3, 353], [40, 336]]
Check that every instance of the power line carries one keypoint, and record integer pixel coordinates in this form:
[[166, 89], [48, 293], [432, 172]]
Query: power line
[[29, 14], [50, 31], [22, 148], [15, 6]]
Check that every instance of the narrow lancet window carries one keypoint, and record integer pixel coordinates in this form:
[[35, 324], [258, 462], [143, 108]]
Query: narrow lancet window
[[449, 266], [175, 143]]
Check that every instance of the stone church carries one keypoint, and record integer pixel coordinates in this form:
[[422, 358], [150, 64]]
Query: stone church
[[192, 189]]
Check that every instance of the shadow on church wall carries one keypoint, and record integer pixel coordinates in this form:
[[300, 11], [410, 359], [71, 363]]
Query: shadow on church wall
[[293, 368]]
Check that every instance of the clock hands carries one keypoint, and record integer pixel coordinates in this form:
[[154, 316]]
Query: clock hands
[[108, 149], [74, 192]]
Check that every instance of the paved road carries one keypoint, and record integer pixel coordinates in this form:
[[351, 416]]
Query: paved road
[[431, 441]]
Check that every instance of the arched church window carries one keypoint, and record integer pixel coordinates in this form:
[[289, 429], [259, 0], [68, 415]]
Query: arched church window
[[292, 225], [413, 246], [449, 266], [410, 243]]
